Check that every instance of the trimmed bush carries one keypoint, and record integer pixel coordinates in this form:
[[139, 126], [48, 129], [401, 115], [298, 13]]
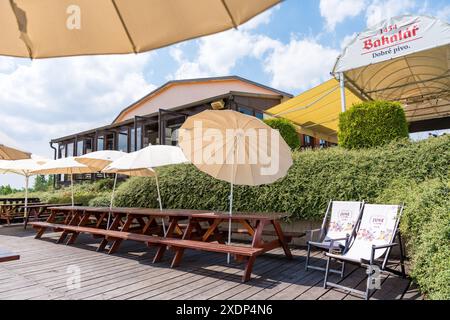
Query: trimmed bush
[[425, 225], [314, 178], [286, 129], [372, 124]]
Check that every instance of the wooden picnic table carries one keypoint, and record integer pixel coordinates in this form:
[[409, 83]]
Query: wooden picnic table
[[36, 211], [140, 224], [12, 210], [8, 256], [15, 200]]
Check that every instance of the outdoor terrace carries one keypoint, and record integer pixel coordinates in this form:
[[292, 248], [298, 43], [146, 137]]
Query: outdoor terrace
[[41, 273]]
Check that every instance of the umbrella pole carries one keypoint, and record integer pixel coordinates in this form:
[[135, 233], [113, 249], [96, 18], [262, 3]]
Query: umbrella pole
[[160, 203], [229, 220], [25, 214], [231, 200], [71, 187], [111, 204]]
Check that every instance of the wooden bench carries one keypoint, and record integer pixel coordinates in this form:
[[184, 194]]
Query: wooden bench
[[8, 256], [178, 244]]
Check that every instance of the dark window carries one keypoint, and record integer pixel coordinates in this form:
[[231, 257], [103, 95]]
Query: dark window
[[245, 111], [259, 115], [100, 143], [62, 151], [109, 142], [123, 140], [70, 147], [80, 150], [87, 145]]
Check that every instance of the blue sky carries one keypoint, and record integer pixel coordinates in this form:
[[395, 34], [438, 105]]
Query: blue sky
[[292, 47]]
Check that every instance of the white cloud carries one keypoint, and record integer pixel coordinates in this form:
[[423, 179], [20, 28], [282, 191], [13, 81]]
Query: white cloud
[[300, 64], [218, 54], [337, 11], [347, 39], [46, 99], [379, 10]]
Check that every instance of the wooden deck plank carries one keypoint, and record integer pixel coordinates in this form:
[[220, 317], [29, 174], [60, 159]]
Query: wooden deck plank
[[129, 274]]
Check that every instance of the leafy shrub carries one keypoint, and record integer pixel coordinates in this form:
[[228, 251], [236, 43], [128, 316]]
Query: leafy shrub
[[372, 124], [314, 178], [287, 131], [425, 225]]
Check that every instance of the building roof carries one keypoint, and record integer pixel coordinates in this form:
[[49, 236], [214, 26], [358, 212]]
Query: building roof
[[181, 98]]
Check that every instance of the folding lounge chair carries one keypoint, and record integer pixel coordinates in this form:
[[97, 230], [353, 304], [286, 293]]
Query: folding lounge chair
[[339, 224], [375, 238]]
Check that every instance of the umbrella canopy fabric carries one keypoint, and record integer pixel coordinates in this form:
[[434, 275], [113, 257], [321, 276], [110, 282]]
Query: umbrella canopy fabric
[[64, 166], [235, 147], [9, 153], [56, 28], [100, 159], [139, 163], [25, 168]]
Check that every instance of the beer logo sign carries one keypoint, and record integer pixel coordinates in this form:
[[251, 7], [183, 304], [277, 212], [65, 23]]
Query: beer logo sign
[[344, 215], [377, 221], [391, 39]]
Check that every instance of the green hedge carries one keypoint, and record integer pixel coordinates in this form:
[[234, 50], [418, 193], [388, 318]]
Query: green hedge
[[314, 178], [287, 131], [425, 226], [372, 124]]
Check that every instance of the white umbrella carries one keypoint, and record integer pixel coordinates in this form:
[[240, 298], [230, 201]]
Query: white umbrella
[[65, 166], [25, 168], [99, 160], [140, 163]]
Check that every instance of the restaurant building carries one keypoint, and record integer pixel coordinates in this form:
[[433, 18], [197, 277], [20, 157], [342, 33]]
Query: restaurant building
[[156, 118]]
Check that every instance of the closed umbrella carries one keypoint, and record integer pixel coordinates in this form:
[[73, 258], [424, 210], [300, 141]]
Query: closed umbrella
[[26, 168], [56, 28], [140, 163], [9, 153], [65, 166], [236, 148]]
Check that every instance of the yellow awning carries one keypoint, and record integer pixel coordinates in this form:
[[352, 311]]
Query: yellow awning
[[316, 111]]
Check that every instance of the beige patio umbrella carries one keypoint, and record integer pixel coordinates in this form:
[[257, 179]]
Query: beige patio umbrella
[[236, 148], [24, 167], [65, 166], [9, 153], [99, 160], [56, 28], [142, 162]]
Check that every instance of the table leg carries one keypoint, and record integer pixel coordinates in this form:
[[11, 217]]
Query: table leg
[[173, 224], [114, 226], [117, 242], [281, 238], [186, 236], [51, 218], [84, 220]]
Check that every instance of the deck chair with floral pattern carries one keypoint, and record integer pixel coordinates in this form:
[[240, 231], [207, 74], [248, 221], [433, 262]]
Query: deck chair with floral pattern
[[339, 224], [374, 241]]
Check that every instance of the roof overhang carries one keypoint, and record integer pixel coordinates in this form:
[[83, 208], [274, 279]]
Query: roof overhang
[[403, 59]]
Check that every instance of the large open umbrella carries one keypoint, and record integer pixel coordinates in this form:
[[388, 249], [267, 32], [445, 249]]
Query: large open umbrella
[[9, 153], [99, 160], [56, 28], [140, 163], [26, 168], [65, 166], [236, 148]]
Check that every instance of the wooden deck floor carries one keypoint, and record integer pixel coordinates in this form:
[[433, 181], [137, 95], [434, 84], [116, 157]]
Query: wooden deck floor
[[42, 273]]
